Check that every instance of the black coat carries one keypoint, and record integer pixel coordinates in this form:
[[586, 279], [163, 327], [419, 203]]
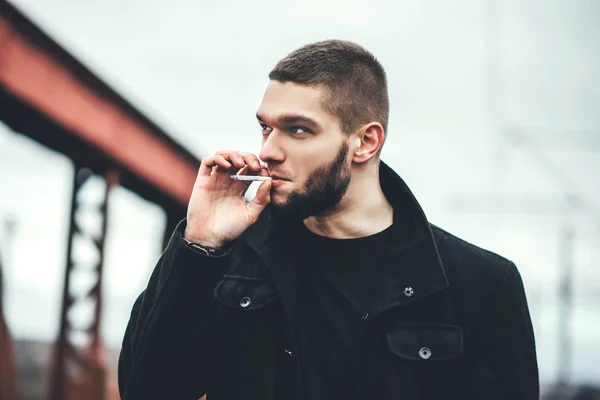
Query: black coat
[[452, 321]]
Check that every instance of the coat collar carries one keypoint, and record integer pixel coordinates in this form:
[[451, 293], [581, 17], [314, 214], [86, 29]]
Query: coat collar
[[414, 269]]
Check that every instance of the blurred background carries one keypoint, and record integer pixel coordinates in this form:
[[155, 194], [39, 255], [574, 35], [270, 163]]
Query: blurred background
[[107, 107]]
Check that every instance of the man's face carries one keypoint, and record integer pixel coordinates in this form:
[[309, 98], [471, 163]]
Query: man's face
[[305, 151]]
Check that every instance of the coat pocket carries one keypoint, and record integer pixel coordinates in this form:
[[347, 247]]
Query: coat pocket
[[426, 343], [432, 355], [245, 294]]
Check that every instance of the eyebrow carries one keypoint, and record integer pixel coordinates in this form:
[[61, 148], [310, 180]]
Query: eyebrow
[[290, 119]]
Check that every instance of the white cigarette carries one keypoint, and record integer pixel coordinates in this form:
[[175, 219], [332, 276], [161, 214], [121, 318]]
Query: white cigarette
[[250, 178]]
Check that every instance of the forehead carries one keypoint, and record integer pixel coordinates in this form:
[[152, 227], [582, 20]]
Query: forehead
[[290, 98]]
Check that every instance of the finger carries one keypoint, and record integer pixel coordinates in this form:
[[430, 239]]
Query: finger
[[234, 157], [263, 194], [248, 158], [209, 162], [260, 200], [252, 161], [263, 171]]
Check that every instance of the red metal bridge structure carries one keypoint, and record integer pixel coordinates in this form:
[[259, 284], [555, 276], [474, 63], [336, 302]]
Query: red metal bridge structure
[[51, 97]]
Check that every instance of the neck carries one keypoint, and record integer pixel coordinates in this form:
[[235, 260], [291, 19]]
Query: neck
[[363, 211]]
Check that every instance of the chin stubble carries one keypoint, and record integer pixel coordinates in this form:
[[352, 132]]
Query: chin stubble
[[324, 189]]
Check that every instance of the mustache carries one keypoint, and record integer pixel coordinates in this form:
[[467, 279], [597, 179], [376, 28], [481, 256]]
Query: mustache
[[275, 175]]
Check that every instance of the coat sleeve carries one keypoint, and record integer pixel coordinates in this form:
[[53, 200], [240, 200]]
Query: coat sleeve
[[167, 342], [505, 360]]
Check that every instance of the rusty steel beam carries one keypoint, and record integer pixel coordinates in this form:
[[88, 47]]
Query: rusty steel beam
[[9, 388], [46, 94], [78, 365], [38, 72], [8, 371]]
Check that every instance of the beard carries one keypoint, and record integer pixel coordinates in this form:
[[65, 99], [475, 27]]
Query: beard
[[324, 189]]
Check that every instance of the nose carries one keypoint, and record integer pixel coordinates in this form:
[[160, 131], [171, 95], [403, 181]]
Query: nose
[[271, 150]]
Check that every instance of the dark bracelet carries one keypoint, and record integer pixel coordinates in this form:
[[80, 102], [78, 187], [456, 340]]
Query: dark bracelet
[[207, 250]]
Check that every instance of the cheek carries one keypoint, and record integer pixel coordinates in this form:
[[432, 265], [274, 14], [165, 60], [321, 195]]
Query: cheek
[[309, 160]]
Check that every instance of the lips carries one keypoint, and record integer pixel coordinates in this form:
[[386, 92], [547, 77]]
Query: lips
[[277, 181], [278, 178]]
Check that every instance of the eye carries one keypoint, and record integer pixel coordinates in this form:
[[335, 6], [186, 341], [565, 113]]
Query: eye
[[297, 130], [265, 128]]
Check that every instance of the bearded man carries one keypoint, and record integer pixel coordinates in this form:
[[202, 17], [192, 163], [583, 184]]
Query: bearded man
[[330, 283]]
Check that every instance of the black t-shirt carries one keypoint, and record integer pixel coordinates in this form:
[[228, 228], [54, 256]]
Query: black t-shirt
[[337, 280]]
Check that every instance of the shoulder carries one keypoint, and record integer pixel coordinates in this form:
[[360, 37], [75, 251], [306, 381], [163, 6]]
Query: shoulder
[[467, 264], [486, 287]]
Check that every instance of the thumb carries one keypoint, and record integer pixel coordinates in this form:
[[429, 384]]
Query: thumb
[[260, 200]]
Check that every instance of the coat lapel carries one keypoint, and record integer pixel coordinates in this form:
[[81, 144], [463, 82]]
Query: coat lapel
[[413, 269]]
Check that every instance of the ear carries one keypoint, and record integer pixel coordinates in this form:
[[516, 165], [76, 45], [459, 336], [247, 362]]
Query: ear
[[367, 142]]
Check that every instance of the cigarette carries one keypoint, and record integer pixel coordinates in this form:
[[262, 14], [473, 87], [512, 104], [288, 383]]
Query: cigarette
[[250, 178]]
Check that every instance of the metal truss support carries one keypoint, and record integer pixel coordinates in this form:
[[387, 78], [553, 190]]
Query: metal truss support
[[78, 367], [8, 369]]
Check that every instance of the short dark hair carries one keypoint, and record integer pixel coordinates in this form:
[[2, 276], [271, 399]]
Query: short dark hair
[[356, 81]]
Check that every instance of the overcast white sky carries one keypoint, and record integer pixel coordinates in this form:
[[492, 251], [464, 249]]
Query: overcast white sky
[[460, 74]]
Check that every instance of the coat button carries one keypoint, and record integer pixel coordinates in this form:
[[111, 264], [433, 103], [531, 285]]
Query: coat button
[[408, 291], [424, 353], [245, 302]]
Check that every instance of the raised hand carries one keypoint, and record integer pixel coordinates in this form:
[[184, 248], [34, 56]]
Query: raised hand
[[217, 212]]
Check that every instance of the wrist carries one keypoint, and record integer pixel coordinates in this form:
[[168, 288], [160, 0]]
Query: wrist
[[207, 250], [189, 237]]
